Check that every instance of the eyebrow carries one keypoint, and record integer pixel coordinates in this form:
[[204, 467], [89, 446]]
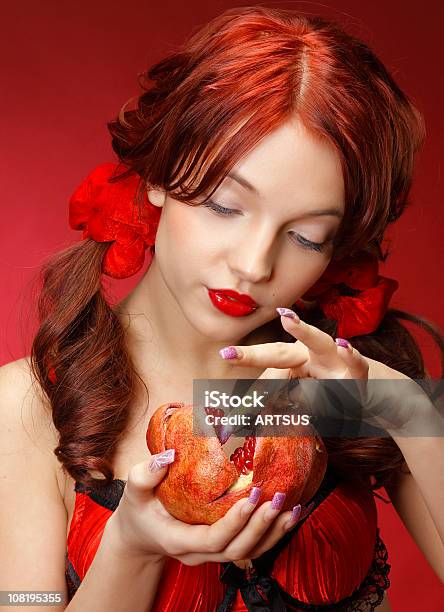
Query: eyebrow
[[334, 212]]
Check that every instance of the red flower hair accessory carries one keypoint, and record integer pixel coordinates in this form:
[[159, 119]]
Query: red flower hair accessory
[[106, 212], [362, 312]]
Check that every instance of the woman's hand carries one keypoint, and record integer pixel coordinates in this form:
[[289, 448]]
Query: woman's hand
[[141, 526], [316, 355]]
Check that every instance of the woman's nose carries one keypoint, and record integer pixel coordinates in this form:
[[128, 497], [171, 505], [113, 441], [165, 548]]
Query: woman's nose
[[252, 259]]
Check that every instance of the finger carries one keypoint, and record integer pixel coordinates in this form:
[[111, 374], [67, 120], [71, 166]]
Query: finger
[[267, 355], [358, 369], [321, 347], [314, 346], [284, 522], [183, 538], [281, 525], [257, 526], [143, 477], [357, 364], [316, 340], [274, 532], [275, 374]]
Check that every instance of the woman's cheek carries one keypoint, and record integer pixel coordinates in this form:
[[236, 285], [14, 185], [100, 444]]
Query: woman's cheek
[[305, 270], [187, 238]]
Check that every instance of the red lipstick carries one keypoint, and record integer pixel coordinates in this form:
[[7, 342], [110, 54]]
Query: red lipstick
[[232, 303]]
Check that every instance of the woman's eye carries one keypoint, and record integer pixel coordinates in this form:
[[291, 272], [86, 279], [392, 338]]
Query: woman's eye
[[308, 244], [220, 210]]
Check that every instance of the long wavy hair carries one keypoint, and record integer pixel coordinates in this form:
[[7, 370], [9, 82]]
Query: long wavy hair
[[201, 109]]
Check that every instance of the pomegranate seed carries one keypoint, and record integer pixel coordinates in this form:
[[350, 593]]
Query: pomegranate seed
[[242, 457]]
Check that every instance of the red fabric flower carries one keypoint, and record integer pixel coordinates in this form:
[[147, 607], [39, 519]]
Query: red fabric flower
[[106, 212], [358, 314]]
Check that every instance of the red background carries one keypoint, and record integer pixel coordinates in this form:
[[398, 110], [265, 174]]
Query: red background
[[67, 69]]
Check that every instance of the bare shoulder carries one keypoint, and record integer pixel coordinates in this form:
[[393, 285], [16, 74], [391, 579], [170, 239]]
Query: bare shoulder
[[26, 417], [33, 515]]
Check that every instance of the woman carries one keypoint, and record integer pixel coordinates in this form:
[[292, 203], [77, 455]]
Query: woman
[[268, 156]]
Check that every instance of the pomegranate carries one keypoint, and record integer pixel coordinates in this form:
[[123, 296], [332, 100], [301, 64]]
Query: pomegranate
[[203, 483]]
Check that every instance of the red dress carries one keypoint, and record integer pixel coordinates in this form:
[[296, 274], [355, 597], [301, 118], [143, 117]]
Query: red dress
[[334, 559]]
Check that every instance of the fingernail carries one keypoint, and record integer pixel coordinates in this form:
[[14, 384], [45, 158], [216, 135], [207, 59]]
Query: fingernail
[[278, 500], [295, 514], [287, 312], [230, 352], [342, 342], [276, 504], [161, 460], [224, 432], [255, 493]]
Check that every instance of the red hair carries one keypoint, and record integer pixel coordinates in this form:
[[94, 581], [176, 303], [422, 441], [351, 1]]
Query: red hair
[[202, 109], [244, 74]]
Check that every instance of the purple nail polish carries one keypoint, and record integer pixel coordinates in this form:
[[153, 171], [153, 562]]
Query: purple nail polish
[[287, 312], [278, 500], [255, 493], [223, 432], [294, 517], [229, 352], [161, 459], [342, 342], [295, 513]]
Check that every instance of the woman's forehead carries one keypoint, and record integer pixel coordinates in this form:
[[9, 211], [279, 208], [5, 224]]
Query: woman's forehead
[[293, 164]]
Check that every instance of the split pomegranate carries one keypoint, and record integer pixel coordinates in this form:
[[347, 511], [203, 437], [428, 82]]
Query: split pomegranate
[[203, 483]]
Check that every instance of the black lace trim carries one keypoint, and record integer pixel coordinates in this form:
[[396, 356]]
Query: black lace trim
[[263, 593], [71, 577], [369, 594], [107, 496]]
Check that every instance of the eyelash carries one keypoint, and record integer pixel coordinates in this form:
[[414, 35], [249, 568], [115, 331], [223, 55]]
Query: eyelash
[[308, 244]]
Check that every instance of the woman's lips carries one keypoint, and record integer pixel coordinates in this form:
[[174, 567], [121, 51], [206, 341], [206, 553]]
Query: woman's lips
[[232, 303]]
